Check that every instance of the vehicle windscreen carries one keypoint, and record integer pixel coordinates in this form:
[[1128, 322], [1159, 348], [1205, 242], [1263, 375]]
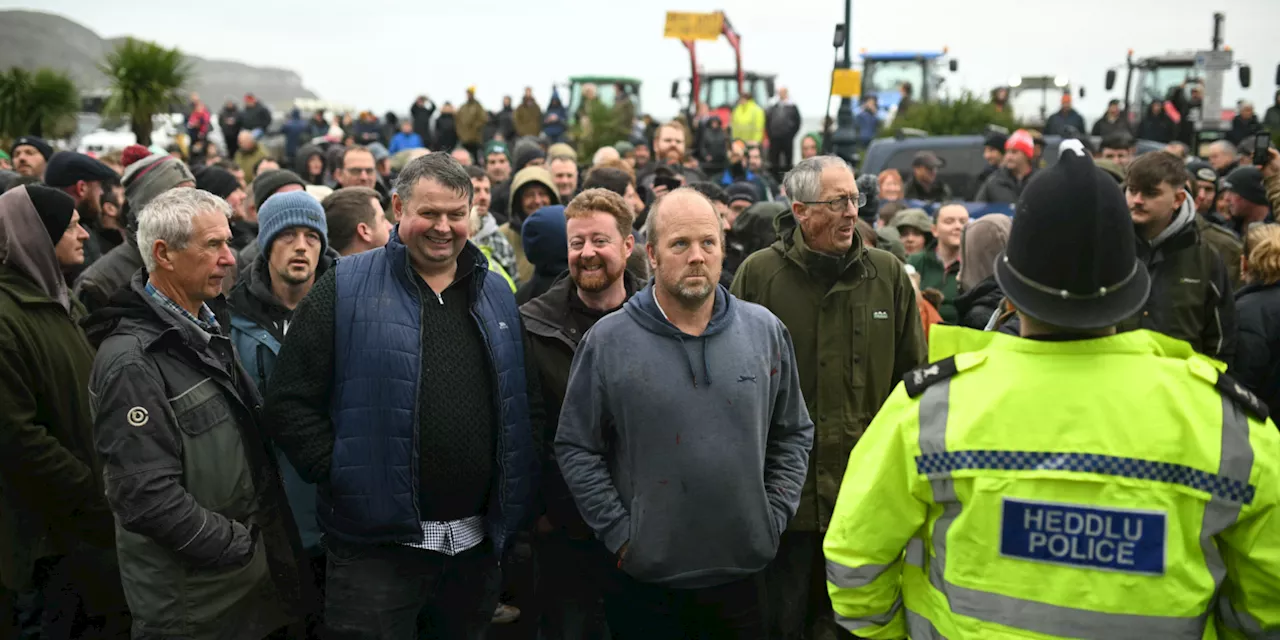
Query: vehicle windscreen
[[888, 76], [1155, 83]]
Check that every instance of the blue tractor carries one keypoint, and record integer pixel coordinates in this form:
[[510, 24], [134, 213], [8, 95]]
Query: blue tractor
[[883, 74]]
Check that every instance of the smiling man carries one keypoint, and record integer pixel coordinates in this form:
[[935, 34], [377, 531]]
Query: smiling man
[[203, 531], [424, 327], [852, 313]]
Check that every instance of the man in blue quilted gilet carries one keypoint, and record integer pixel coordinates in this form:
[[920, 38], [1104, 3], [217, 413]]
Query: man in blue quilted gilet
[[401, 391]]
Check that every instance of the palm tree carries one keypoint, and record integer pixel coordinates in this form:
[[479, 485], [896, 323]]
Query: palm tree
[[43, 103], [146, 79]]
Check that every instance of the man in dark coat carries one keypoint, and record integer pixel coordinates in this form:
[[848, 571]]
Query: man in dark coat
[[783, 124], [555, 323], [256, 116], [421, 112], [1065, 120], [229, 123], [418, 527], [208, 547], [56, 533], [1111, 122]]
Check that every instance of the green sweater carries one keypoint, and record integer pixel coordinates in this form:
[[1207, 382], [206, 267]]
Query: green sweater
[[935, 276]]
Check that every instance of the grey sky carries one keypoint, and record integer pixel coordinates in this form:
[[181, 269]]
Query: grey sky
[[381, 53]]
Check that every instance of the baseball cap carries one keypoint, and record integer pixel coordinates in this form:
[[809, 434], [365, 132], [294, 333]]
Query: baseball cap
[[927, 159], [66, 168]]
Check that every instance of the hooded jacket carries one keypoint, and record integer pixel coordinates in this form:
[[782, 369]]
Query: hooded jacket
[[293, 129], [511, 228], [490, 236], [1257, 362], [51, 493], [546, 247], [857, 331], [699, 474], [555, 128], [305, 153], [421, 114], [1191, 293], [208, 548], [446, 137], [935, 275], [258, 325], [555, 324], [975, 306]]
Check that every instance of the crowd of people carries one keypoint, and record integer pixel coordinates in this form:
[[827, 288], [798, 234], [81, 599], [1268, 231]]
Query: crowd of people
[[395, 385]]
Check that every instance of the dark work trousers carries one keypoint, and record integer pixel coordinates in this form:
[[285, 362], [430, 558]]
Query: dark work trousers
[[797, 584], [75, 596], [376, 592], [573, 575], [734, 611]]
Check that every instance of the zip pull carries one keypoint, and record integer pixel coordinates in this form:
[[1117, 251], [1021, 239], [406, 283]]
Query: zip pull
[[439, 297]]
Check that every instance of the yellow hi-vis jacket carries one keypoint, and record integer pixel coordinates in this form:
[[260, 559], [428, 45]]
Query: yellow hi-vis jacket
[[1118, 487]]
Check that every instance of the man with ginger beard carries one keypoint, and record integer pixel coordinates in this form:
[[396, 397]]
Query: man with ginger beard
[[598, 226], [669, 151]]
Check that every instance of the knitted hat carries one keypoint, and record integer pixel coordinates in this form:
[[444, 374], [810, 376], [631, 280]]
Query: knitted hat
[[217, 181], [151, 176], [33, 141], [995, 140], [1246, 182], [268, 182], [1100, 281], [379, 152], [132, 154], [741, 191], [54, 208], [1021, 141], [293, 209], [495, 146], [624, 147]]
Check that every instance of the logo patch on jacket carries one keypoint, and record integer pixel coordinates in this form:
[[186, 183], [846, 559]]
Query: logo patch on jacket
[[1087, 537], [880, 315], [137, 416]]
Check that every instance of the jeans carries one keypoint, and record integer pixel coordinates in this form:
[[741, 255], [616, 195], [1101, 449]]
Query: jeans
[[734, 611], [797, 582], [376, 592], [573, 576]]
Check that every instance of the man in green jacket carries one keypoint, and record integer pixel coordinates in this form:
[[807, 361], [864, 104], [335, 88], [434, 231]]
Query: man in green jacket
[[939, 263], [56, 531], [471, 120], [852, 315]]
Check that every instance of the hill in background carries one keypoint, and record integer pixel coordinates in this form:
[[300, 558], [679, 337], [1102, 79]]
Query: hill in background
[[30, 40]]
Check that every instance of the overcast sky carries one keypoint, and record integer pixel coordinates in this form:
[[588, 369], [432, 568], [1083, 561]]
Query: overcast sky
[[381, 53]]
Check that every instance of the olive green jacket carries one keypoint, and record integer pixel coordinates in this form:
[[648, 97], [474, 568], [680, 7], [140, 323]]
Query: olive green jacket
[[856, 330]]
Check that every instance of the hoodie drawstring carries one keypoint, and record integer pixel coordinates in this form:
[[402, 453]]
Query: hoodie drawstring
[[706, 368]]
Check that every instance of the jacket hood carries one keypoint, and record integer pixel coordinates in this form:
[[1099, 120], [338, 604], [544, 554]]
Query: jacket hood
[[26, 248], [546, 241], [643, 308], [982, 242], [488, 227], [522, 179], [304, 154], [1185, 217]]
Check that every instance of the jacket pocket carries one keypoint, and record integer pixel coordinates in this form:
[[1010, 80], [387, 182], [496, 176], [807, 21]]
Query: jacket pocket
[[215, 468]]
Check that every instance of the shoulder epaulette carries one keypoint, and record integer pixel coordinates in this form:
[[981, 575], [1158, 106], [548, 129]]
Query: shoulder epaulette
[[917, 380], [1227, 386]]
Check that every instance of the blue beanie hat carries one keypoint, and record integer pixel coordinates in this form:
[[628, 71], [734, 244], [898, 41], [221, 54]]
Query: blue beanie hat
[[290, 209], [546, 243]]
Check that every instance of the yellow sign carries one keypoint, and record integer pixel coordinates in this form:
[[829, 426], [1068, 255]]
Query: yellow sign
[[693, 26], [846, 83]]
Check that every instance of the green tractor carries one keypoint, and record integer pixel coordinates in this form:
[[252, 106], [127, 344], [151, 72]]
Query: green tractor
[[606, 88]]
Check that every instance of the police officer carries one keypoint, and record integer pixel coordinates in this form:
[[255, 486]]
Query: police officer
[[1075, 483]]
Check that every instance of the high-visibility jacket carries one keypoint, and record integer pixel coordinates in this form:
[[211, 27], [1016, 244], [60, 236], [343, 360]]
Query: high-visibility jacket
[[1118, 487], [748, 122]]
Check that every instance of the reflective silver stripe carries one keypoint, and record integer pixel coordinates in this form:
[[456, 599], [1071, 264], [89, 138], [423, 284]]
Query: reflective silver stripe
[[1235, 462], [915, 552], [879, 619], [1068, 622], [1028, 614], [853, 578], [920, 628], [933, 434]]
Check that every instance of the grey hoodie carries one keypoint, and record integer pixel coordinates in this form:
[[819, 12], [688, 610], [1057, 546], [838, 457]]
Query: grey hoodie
[[692, 449]]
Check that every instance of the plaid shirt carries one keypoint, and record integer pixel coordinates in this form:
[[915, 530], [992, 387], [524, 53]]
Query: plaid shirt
[[207, 322], [452, 537]]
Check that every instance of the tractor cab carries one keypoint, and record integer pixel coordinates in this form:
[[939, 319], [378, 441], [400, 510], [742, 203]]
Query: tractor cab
[[883, 73], [719, 91], [606, 90]]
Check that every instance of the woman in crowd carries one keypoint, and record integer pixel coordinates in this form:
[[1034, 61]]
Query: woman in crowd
[[1257, 364], [890, 182], [979, 294]]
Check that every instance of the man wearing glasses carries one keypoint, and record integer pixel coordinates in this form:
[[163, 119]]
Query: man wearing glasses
[[357, 168], [853, 318]]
